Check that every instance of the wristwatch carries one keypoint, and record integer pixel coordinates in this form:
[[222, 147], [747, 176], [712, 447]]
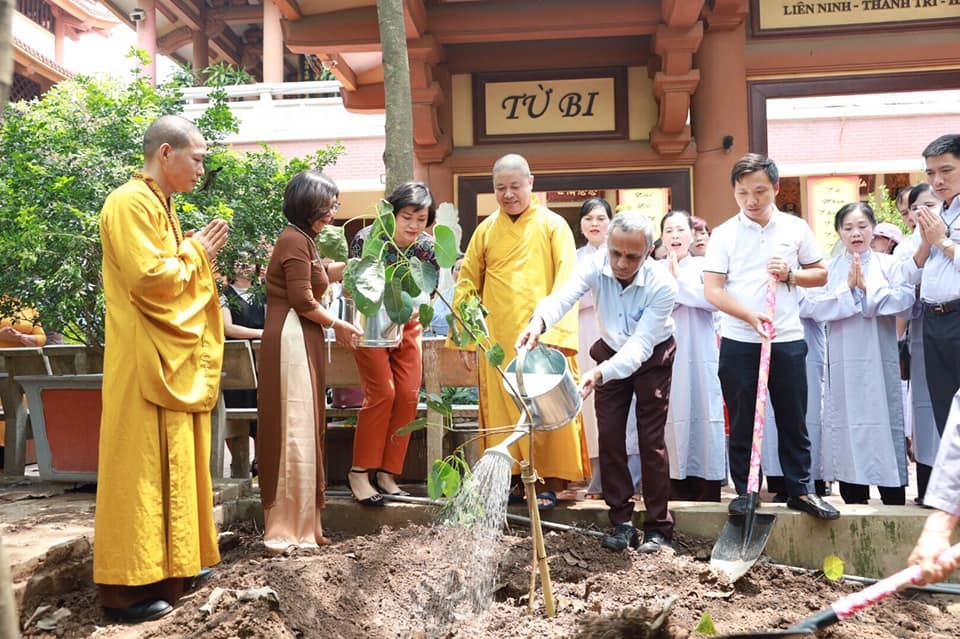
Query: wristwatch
[[946, 243]]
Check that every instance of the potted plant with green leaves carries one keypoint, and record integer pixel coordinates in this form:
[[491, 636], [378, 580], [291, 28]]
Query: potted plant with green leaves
[[379, 288]]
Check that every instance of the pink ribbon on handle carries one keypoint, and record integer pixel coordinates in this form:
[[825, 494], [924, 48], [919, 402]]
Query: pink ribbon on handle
[[760, 409], [857, 601]]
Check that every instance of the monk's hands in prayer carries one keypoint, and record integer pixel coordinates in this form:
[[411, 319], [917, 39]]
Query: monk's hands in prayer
[[930, 551], [530, 337], [347, 334], [932, 229], [855, 276], [469, 359], [10, 334], [591, 379], [762, 324], [212, 237], [778, 266]]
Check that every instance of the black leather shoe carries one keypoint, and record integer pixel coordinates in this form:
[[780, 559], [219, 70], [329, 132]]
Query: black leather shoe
[[199, 579], [814, 505], [623, 535], [145, 611], [739, 505], [653, 542]]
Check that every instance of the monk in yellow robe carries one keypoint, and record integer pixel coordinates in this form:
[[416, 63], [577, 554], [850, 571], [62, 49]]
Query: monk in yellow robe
[[154, 527], [517, 256]]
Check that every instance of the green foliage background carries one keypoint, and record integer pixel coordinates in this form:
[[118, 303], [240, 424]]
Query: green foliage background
[[61, 155]]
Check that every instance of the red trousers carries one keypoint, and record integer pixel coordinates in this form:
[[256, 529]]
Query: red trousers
[[391, 380]]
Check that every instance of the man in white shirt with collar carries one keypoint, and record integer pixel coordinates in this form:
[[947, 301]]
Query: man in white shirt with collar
[[744, 252], [634, 301], [939, 258]]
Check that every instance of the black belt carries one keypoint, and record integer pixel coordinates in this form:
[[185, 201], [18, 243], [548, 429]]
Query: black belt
[[942, 308]]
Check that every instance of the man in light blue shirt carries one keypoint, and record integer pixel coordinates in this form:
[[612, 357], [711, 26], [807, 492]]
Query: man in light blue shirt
[[634, 301], [936, 266]]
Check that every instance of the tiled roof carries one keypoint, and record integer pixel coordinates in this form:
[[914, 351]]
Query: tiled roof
[[20, 45]]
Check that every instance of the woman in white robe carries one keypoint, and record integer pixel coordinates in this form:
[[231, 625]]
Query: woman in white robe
[[863, 434], [921, 427], [696, 445]]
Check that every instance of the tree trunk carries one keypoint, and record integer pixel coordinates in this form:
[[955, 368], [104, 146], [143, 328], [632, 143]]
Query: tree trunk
[[398, 148], [6, 50], [9, 622]]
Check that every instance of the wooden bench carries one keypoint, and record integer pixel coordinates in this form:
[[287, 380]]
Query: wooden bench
[[441, 367]]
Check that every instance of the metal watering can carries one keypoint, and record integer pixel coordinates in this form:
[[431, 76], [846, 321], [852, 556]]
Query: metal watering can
[[379, 331], [545, 386]]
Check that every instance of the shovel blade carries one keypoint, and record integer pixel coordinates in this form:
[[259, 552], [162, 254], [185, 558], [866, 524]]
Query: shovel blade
[[738, 549]]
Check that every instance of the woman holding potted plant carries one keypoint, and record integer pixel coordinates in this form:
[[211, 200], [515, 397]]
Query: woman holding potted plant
[[391, 376]]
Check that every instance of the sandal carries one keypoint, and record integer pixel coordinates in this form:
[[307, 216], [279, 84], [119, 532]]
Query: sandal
[[516, 496], [546, 500], [593, 496], [376, 485], [376, 499]]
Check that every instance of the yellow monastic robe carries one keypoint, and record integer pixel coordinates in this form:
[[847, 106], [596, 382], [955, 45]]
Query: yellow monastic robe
[[161, 375], [514, 265]]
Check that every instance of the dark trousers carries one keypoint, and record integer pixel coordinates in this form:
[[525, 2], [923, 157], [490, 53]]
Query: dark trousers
[[651, 385], [860, 494], [787, 383], [923, 478], [941, 352], [695, 489]]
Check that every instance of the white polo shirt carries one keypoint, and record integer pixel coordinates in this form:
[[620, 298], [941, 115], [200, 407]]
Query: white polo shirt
[[739, 249]]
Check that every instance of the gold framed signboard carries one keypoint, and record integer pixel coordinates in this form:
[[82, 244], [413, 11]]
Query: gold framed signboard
[[771, 17], [586, 104]]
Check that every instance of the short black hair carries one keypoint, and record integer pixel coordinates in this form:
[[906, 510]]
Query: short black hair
[[917, 191], [751, 163], [174, 130], [595, 203], [944, 144], [415, 194], [309, 195], [847, 209], [684, 214]]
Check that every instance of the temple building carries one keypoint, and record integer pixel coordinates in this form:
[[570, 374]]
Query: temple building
[[41, 29], [647, 102]]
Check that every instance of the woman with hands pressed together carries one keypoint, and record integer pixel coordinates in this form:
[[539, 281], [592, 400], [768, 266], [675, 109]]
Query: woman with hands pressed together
[[292, 402], [694, 433], [863, 442]]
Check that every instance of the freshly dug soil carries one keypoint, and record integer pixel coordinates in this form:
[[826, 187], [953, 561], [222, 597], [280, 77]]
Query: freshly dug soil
[[406, 583]]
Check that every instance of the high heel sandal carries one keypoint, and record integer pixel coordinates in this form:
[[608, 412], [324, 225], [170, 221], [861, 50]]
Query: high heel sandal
[[376, 484], [376, 499]]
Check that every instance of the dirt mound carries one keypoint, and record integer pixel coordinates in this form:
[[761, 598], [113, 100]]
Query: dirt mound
[[411, 583]]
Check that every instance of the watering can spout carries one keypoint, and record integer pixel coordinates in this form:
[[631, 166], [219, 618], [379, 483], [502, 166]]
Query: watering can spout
[[503, 448]]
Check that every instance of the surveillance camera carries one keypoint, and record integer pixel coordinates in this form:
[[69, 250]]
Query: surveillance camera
[[137, 15]]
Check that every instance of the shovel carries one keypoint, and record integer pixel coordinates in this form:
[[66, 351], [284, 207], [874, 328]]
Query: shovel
[[847, 606], [744, 537]]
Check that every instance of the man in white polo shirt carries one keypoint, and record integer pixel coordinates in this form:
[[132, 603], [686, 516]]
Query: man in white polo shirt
[[743, 253]]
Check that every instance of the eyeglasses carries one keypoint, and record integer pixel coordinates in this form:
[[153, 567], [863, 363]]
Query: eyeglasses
[[330, 211]]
